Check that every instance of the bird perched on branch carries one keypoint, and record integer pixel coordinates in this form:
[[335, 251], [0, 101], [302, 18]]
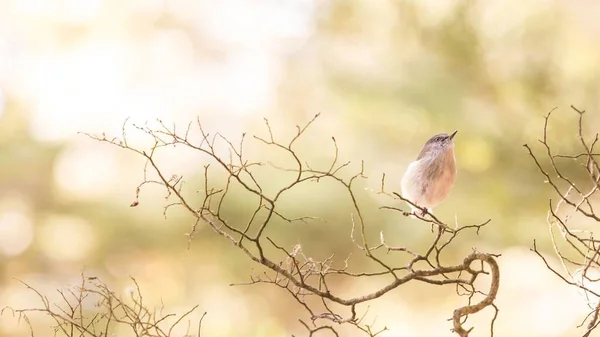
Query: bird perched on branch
[[429, 179]]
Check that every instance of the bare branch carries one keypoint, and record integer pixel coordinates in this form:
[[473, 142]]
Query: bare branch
[[579, 258], [293, 269]]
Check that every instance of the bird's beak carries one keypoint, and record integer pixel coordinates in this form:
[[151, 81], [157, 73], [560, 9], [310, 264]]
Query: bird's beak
[[453, 133]]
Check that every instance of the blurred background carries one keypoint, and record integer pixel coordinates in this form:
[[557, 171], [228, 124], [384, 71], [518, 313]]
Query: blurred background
[[385, 75]]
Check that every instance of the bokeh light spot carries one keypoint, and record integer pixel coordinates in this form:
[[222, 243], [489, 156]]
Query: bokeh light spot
[[66, 238], [16, 232], [86, 174], [476, 155]]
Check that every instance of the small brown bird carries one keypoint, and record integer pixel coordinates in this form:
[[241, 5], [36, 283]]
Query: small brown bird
[[429, 179]]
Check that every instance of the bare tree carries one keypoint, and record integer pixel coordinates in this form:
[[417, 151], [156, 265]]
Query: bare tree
[[571, 218], [291, 268], [72, 317]]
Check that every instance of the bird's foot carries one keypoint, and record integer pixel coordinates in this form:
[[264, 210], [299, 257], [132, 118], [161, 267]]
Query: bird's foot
[[421, 212]]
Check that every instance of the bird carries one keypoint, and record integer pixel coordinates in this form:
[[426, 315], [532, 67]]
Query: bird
[[429, 179]]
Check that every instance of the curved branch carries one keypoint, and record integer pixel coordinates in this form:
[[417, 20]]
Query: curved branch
[[487, 301]]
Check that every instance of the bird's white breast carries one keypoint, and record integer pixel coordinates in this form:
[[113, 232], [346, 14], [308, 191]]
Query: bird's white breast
[[411, 189], [427, 190]]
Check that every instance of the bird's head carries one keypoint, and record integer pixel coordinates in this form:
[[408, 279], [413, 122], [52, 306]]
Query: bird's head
[[438, 144]]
